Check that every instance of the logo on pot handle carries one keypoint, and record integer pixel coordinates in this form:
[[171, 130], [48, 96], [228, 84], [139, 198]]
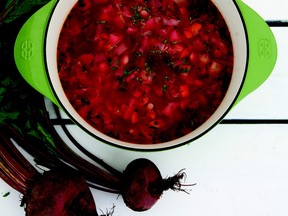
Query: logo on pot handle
[[264, 49], [27, 50]]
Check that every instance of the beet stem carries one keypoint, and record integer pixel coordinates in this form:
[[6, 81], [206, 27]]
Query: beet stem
[[14, 158], [11, 179], [17, 171], [106, 166], [110, 180], [36, 150], [62, 155]]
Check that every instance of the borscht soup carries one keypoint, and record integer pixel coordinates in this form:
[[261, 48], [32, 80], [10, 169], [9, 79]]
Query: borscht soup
[[147, 71]]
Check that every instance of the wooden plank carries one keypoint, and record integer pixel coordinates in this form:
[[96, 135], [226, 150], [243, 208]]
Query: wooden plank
[[269, 9]]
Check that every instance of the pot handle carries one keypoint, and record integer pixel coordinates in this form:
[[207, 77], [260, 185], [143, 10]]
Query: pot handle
[[29, 51], [262, 50]]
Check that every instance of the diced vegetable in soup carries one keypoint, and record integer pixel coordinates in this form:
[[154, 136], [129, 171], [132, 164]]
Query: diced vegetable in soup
[[146, 71]]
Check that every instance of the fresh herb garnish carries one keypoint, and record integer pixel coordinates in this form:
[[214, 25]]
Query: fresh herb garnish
[[136, 18], [6, 194], [165, 87], [127, 72]]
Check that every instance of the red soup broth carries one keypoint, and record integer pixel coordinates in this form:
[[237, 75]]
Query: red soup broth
[[145, 71]]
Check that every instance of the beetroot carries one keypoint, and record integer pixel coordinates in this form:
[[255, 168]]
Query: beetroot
[[143, 185], [64, 191], [59, 192]]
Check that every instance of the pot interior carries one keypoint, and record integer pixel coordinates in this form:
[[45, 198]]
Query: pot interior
[[232, 16]]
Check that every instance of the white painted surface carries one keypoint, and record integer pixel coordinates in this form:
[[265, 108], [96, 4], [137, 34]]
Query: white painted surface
[[240, 170]]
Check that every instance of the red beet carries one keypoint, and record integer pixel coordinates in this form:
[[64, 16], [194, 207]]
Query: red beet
[[143, 185], [59, 193], [64, 191]]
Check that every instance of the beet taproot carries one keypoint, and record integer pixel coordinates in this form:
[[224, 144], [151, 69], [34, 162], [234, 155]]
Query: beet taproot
[[59, 192], [143, 185]]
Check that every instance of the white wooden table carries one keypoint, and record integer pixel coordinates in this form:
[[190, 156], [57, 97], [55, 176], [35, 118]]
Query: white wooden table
[[240, 167]]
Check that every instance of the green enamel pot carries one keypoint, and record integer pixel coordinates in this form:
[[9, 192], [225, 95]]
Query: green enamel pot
[[255, 54]]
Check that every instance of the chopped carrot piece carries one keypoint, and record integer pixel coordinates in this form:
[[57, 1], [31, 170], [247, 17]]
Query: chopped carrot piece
[[193, 30], [184, 91]]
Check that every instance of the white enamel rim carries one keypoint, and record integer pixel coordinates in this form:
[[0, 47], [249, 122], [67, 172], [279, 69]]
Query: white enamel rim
[[236, 26]]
